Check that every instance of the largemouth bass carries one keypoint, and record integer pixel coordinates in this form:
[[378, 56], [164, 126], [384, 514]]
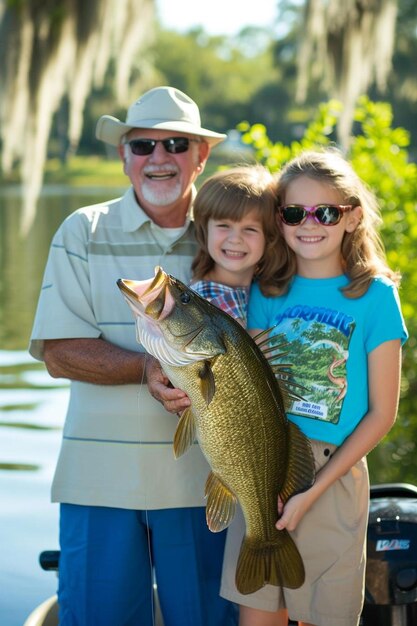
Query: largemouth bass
[[237, 415]]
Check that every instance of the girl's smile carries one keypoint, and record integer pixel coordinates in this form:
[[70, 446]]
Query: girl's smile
[[236, 248], [310, 239]]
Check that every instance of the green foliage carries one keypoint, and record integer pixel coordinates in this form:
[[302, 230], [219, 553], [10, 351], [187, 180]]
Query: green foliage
[[216, 71], [379, 154], [274, 155]]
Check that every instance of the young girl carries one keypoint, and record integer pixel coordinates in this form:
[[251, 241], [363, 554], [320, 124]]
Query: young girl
[[338, 308], [235, 225]]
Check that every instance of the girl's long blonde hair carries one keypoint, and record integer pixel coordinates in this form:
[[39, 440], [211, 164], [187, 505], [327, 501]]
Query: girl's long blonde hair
[[363, 254], [232, 194]]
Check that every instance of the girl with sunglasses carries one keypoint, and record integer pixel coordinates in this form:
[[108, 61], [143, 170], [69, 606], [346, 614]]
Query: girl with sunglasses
[[337, 306]]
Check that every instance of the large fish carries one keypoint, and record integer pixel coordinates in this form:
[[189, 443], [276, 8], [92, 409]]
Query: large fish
[[236, 414]]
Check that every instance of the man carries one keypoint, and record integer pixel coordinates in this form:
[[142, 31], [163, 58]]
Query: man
[[126, 505]]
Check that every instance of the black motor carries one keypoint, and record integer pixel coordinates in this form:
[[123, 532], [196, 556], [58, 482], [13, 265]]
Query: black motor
[[391, 571]]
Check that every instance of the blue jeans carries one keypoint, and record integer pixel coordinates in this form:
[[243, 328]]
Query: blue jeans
[[107, 561]]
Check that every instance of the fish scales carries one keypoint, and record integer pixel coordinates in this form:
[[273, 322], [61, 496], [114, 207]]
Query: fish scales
[[237, 415], [260, 439]]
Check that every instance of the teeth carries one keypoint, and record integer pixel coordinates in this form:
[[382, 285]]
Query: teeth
[[233, 253], [310, 239], [160, 176]]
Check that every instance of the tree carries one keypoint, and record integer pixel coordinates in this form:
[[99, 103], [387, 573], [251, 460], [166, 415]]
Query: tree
[[56, 48], [225, 73], [347, 46]]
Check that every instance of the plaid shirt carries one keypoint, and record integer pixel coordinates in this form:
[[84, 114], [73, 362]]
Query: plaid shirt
[[231, 300]]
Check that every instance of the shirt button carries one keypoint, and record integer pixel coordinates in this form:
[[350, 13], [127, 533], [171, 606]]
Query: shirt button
[[326, 451]]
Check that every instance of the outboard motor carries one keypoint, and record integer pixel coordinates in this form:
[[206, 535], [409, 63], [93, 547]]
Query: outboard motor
[[391, 571]]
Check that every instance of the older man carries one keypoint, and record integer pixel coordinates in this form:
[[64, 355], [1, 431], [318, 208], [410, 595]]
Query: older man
[[127, 507]]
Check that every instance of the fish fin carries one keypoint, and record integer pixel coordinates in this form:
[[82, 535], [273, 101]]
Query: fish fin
[[185, 433], [300, 464], [221, 504], [208, 384], [275, 562], [274, 349], [290, 390]]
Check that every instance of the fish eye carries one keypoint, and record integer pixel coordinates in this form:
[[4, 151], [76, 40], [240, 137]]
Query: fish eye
[[185, 297]]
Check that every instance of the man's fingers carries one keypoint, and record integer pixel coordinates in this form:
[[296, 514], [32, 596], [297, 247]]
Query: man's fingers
[[174, 400], [177, 406]]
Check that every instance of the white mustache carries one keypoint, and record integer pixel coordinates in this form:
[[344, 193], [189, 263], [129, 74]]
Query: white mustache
[[160, 169]]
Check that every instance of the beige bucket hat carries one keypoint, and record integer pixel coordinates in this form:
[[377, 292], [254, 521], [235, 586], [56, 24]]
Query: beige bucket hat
[[162, 108]]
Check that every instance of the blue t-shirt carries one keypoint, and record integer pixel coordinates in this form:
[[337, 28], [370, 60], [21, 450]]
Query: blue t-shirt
[[329, 338]]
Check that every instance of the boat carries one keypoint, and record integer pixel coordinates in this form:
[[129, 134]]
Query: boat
[[46, 613], [391, 573]]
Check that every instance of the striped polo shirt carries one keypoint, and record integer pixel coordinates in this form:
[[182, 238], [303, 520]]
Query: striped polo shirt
[[117, 440]]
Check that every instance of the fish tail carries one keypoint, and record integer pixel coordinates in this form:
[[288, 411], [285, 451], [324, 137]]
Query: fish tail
[[275, 563]]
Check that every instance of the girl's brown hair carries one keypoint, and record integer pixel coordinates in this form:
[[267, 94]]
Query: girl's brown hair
[[232, 194], [363, 254]]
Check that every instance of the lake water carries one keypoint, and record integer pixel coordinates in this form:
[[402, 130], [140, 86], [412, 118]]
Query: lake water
[[29, 443], [32, 404]]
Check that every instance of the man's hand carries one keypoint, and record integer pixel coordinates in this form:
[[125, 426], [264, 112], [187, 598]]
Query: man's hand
[[174, 400]]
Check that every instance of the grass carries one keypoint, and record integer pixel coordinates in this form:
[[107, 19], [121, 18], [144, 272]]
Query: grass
[[86, 171], [98, 171]]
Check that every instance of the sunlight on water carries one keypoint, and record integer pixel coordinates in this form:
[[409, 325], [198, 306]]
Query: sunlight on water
[[32, 405], [32, 410]]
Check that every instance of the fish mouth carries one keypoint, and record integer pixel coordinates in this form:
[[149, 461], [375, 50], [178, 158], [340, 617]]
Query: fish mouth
[[151, 303], [142, 294]]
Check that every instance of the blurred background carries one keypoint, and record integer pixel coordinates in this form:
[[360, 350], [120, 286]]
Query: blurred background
[[280, 76]]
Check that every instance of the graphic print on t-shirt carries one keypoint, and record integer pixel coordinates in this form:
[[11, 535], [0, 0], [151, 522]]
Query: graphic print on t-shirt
[[317, 348]]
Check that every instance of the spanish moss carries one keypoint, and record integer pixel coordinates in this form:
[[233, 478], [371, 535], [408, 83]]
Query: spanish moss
[[347, 47], [51, 49]]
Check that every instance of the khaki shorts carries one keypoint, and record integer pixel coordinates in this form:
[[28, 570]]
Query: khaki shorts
[[331, 539]]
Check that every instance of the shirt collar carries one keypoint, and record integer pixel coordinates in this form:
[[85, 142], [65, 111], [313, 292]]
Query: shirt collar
[[133, 216]]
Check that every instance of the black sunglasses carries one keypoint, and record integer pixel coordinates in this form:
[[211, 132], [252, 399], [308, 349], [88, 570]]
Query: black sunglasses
[[325, 214], [173, 145]]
